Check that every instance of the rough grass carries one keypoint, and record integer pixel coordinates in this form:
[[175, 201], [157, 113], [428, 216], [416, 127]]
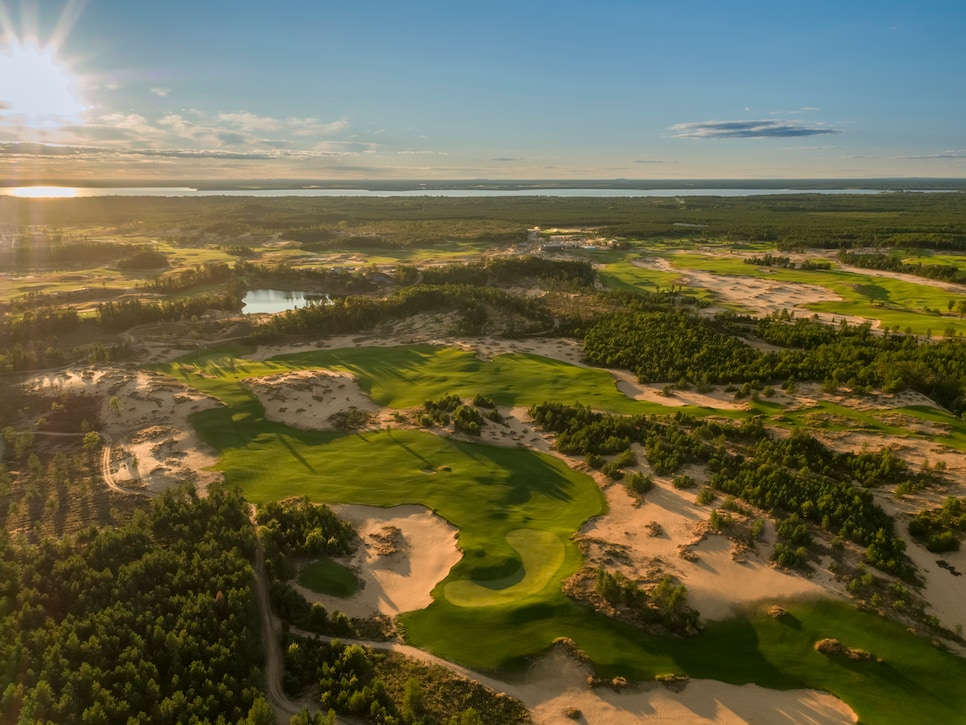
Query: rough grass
[[325, 576]]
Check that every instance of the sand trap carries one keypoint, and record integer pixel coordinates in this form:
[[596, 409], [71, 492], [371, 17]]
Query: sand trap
[[556, 683], [398, 582], [716, 581], [763, 296], [308, 399], [627, 383]]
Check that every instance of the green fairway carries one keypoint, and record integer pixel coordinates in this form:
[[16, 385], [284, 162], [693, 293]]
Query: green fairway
[[329, 577], [407, 376], [401, 377], [541, 555], [516, 511], [894, 302], [623, 274]]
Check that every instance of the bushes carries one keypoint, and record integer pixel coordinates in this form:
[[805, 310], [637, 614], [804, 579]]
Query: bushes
[[639, 484], [939, 529], [467, 420]]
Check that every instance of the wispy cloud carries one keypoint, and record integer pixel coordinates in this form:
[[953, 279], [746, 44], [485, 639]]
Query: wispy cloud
[[808, 148], [22, 150], [796, 112], [160, 91], [952, 154], [750, 129]]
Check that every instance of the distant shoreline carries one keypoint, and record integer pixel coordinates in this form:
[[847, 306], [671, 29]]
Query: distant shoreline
[[519, 186]]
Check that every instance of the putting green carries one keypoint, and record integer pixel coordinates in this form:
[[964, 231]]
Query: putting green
[[541, 556]]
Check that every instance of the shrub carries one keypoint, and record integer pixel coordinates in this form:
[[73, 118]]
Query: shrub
[[639, 484], [683, 481]]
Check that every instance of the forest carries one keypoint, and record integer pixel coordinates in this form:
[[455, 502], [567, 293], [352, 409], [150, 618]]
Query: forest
[[150, 614], [151, 621]]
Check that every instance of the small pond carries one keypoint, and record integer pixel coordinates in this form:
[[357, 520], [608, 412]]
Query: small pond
[[270, 301]]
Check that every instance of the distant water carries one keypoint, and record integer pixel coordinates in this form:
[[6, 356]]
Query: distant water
[[270, 301], [61, 192]]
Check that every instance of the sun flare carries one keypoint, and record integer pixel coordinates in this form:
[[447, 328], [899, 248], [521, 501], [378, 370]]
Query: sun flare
[[36, 87]]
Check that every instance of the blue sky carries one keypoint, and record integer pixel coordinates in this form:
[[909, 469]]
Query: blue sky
[[332, 89]]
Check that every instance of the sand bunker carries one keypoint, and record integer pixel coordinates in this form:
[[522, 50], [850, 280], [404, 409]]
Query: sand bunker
[[310, 399], [400, 581], [556, 685], [717, 581]]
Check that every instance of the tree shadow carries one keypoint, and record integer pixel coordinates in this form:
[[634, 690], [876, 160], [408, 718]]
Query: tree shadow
[[295, 454], [873, 292]]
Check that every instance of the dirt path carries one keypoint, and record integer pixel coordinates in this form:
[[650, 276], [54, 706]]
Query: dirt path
[[285, 708], [274, 664], [106, 473]]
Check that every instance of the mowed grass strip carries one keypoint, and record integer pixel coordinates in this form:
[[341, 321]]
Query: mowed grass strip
[[488, 492], [407, 376], [325, 576]]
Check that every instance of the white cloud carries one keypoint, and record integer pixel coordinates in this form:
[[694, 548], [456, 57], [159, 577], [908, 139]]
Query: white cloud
[[749, 129], [160, 91]]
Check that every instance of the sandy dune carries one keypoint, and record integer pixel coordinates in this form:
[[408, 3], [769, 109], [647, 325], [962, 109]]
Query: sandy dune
[[716, 580], [557, 684], [308, 399], [154, 446], [401, 581]]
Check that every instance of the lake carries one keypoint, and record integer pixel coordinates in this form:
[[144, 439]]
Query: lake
[[270, 301], [62, 192]]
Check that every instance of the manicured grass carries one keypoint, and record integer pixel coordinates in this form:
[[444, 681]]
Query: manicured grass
[[325, 576], [401, 377], [516, 510], [625, 275], [541, 555], [490, 493], [892, 301], [877, 421], [915, 682]]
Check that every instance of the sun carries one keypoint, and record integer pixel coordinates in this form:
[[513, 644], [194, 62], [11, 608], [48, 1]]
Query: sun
[[36, 88]]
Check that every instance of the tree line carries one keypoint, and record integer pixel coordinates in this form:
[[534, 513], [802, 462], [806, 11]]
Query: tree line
[[680, 347], [894, 263], [797, 475]]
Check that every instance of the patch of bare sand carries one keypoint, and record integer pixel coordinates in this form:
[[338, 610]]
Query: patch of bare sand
[[716, 580], [153, 445], [944, 591], [557, 684], [763, 296], [628, 385], [308, 399], [401, 581]]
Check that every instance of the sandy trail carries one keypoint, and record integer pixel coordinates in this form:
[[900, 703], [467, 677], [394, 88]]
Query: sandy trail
[[151, 445]]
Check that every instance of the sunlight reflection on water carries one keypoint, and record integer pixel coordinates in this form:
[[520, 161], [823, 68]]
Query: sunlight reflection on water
[[43, 192]]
